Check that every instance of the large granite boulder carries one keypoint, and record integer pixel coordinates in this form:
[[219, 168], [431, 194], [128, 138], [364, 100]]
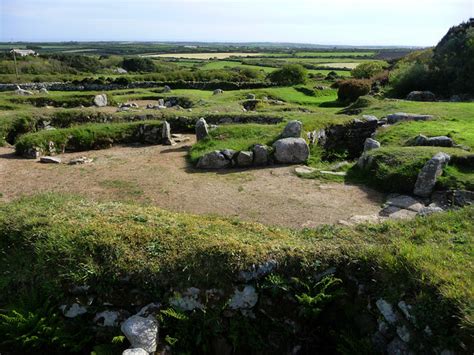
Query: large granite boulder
[[402, 116], [141, 332], [421, 96], [292, 130], [213, 160], [100, 100], [260, 154], [244, 158], [291, 150], [202, 130], [428, 175]]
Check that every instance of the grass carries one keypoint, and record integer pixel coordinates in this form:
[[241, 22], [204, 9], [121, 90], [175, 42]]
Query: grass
[[427, 261]]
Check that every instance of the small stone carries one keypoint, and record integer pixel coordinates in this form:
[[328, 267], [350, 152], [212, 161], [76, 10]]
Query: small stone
[[50, 160], [80, 160], [260, 154], [135, 351], [245, 299], [406, 310], [213, 160], [403, 333], [107, 318], [73, 310], [404, 202], [302, 170], [428, 175], [166, 88], [387, 310], [218, 92], [426, 211]]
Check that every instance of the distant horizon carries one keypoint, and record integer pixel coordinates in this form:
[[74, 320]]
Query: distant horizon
[[341, 23]]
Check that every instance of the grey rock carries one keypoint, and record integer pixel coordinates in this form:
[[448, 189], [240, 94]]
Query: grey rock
[[245, 299], [135, 351], [50, 160], [166, 88], [20, 91], [370, 144], [251, 97], [462, 198], [365, 161], [161, 103], [260, 154], [387, 311], [100, 100], [188, 301], [292, 130], [426, 211], [218, 92], [401, 116], [80, 160], [202, 129], [258, 271], [404, 202], [44, 91], [439, 141], [166, 134], [393, 212], [73, 310], [213, 160], [302, 170], [428, 175], [370, 118], [455, 98], [421, 96], [244, 158], [141, 332], [407, 312], [291, 150], [229, 153]]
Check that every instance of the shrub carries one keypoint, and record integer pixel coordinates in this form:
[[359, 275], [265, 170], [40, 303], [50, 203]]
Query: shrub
[[367, 70], [139, 64], [291, 74], [351, 90], [408, 77]]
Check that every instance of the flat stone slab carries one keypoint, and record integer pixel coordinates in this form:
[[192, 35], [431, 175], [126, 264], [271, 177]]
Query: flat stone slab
[[402, 116], [50, 160], [335, 173], [405, 202], [304, 170], [393, 212]]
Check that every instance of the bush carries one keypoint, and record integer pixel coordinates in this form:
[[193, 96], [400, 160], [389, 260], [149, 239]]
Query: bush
[[409, 77], [291, 74], [139, 65], [367, 70], [351, 90]]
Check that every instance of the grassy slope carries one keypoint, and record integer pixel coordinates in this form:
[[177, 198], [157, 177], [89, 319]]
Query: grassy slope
[[57, 241]]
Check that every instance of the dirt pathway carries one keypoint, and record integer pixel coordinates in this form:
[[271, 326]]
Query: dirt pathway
[[160, 176]]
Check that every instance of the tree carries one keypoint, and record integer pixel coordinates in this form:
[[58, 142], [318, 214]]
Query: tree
[[139, 64], [367, 70], [351, 90], [290, 74], [453, 60]]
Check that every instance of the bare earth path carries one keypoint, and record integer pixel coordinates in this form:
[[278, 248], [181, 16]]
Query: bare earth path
[[160, 176]]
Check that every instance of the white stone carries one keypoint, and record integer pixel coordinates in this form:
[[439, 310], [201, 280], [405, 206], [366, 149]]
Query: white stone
[[100, 100], [73, 310], [189, 301], [387, 310], [107, 318], [245, 299], [50, 160], [135, 351], [141, 332]]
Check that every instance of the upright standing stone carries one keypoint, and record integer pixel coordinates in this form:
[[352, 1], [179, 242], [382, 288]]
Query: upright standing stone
[[292, 130], [166, 134], [260, 154], [202, 130], [428, 175]]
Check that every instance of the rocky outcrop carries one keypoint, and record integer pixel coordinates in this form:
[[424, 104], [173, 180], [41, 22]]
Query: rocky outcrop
[[291, 150], [428, 175], [421, 96], [292, 130], [202, 129]]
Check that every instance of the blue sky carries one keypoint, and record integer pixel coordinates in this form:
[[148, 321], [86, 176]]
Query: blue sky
[[350, 22]]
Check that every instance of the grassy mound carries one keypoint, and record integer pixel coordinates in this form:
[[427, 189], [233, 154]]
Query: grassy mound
[[132, 255], [84, 137], [395, 169]]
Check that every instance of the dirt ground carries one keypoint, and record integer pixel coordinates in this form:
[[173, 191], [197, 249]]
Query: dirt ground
[[160, 175]]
